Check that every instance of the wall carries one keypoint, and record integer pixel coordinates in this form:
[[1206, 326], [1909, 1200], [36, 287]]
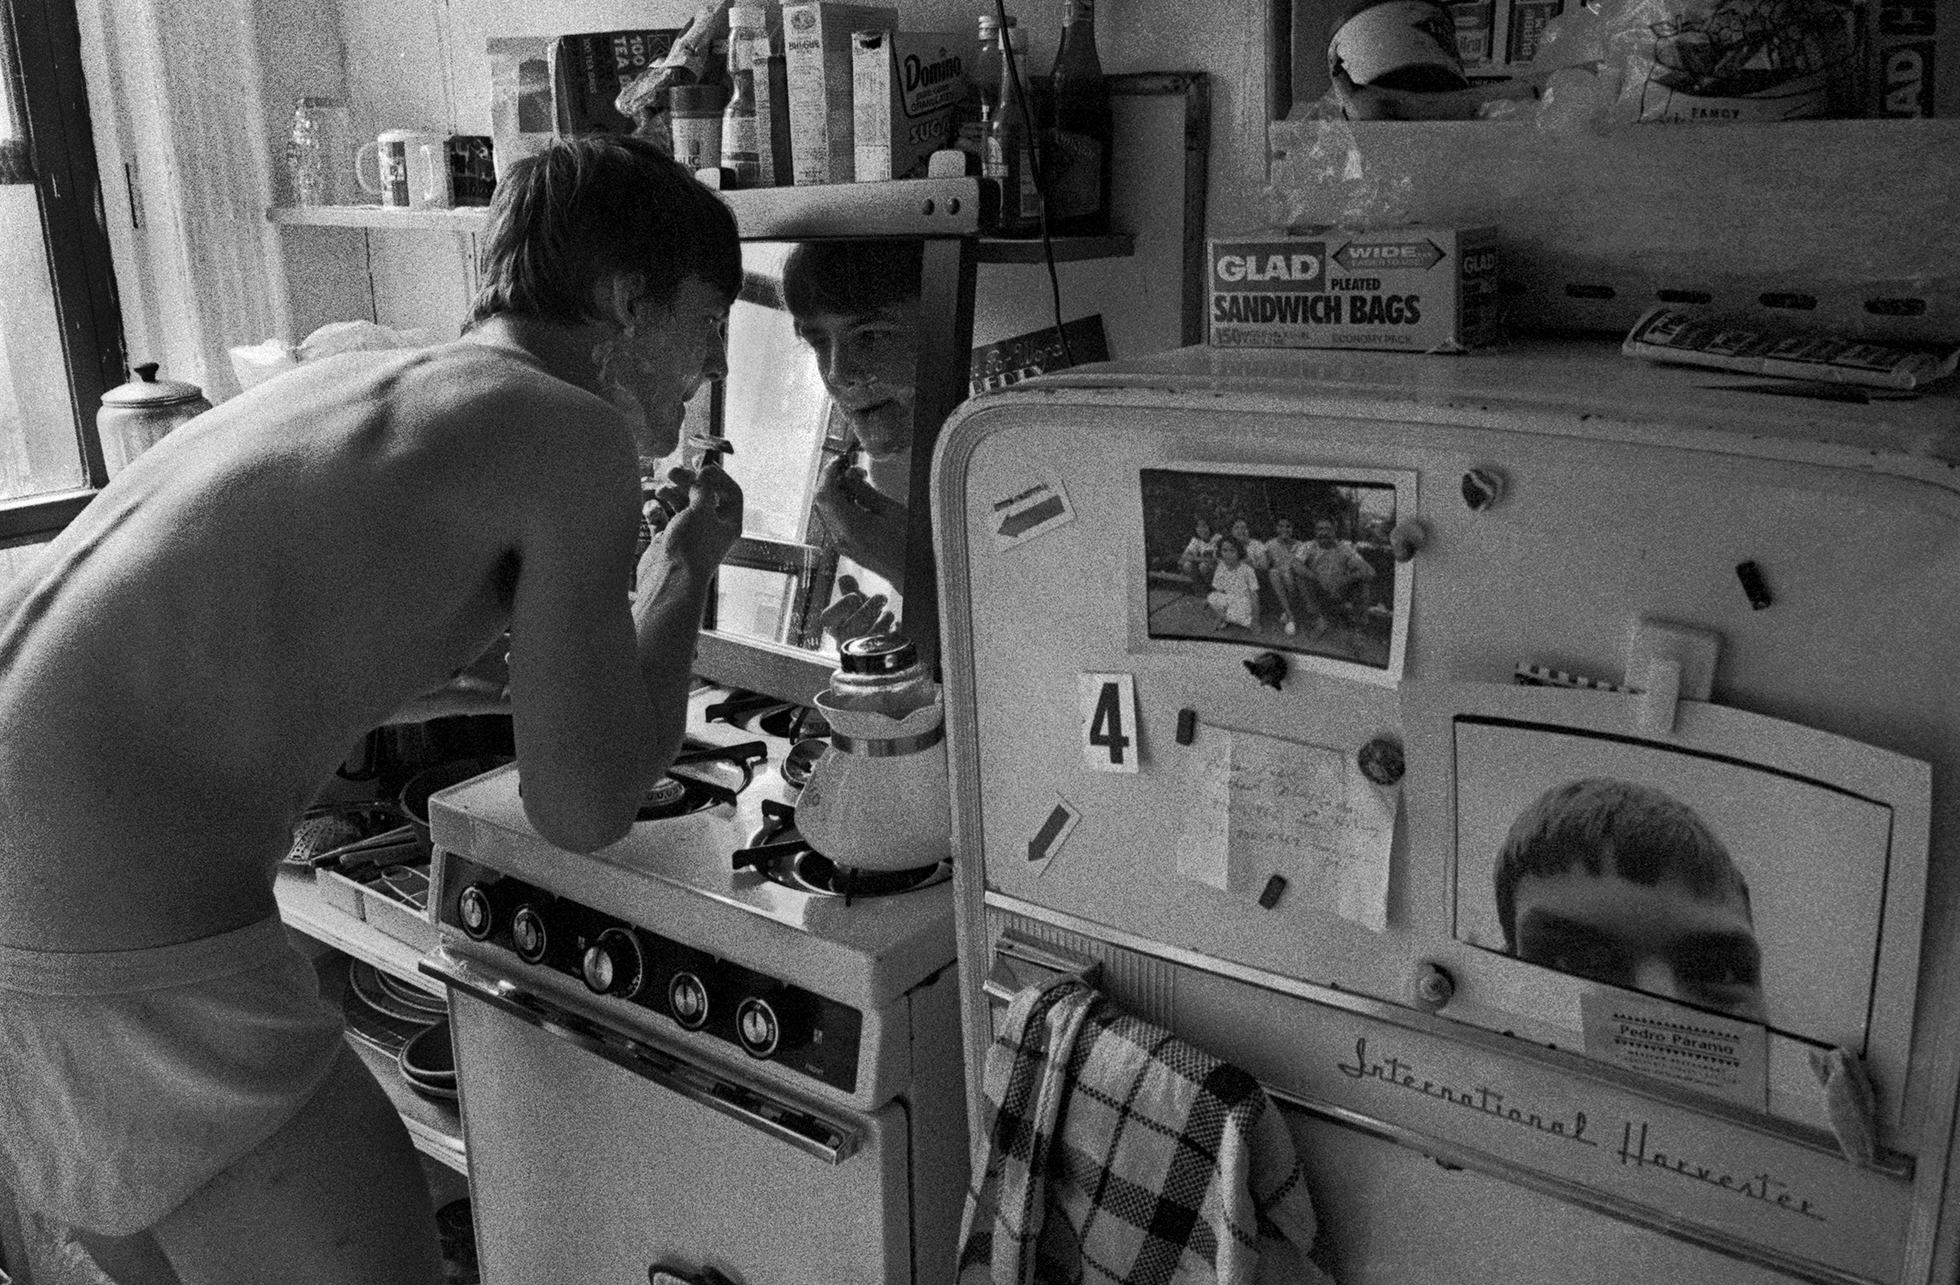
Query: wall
[[420, 62]]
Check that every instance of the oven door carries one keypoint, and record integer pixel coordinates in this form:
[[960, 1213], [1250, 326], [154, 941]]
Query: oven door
[[594, 1157]]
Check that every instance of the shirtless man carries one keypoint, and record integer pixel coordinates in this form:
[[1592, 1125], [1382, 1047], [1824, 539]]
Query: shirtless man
[[856, 304], [184, 666]]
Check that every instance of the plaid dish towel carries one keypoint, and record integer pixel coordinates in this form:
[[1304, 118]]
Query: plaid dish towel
[[1118, 1154]]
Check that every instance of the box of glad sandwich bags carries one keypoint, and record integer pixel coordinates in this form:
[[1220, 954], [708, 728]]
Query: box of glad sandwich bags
[[1407, 289]]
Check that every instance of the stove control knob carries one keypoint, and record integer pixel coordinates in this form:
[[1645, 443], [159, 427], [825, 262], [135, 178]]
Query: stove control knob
[[768, 1023], [476, 909], [614, 964], [687, 1001], [531, 933]]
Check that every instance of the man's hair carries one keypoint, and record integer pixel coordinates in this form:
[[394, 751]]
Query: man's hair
[[850, 278], [1650, 838], [567, 219]]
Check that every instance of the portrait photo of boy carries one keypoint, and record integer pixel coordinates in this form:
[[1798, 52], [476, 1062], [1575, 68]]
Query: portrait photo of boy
[[1690, 877]]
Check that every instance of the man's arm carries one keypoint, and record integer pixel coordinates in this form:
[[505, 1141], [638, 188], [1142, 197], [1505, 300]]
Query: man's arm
[[599, 686], [673, 581]]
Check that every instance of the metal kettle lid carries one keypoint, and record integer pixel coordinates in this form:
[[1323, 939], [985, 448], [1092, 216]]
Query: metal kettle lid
[[147, 390], [878, 654]]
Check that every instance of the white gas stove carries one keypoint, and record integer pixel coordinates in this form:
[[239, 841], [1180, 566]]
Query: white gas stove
[[705, 983]]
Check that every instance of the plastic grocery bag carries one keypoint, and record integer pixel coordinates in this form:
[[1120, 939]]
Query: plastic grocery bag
[[256, 363]]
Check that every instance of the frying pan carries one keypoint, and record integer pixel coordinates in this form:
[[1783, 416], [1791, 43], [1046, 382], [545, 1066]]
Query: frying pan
[[414, 798]]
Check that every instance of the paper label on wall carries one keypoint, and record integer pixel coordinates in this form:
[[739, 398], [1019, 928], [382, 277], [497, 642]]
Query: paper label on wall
[[1717, 1055], [1259, 806], [1052, 833]]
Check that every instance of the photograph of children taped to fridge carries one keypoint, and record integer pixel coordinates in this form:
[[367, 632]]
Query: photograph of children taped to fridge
[[1296, 559], [1691, 875]]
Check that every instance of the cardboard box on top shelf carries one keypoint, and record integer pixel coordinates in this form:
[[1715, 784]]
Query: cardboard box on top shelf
[[520, 98], [817, 64], [589, 69], [1422, 288], [906, 89], [1905, 73]]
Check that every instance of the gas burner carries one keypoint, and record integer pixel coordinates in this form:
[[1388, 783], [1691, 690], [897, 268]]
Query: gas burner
[[663, 794], [671, 796], [795, 864]]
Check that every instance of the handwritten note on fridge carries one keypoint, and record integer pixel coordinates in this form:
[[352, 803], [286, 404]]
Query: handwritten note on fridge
[[1260, 806]]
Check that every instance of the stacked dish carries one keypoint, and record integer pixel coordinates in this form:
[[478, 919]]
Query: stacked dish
[[428, 1062], [395, 1016]]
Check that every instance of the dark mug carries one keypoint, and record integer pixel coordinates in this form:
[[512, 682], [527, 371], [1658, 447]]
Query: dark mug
[[472, 171]]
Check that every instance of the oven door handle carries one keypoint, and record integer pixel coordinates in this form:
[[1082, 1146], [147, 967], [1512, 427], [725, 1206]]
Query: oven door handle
[[782, 1120]]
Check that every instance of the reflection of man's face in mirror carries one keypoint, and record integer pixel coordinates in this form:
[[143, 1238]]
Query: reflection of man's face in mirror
[[856, 304], [868, 361], [1621, 884]]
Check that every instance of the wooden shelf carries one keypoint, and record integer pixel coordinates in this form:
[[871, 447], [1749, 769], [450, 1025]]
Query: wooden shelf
[[913, 207]]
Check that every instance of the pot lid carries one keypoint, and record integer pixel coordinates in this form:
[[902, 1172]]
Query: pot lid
[[147, 390]]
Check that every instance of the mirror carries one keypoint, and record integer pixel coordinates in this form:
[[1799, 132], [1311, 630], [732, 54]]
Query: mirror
[[822, 357]]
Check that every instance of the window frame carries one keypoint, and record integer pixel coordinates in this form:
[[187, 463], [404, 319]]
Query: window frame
[[53, 98]]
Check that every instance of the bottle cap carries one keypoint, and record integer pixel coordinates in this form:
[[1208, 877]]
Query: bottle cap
[[878, 654]]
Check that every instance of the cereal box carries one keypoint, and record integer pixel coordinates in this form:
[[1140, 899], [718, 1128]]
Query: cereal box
[[1409, 289], [817, 65]]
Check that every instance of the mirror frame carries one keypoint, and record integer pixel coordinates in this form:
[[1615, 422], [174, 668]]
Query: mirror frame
[[946, 215]]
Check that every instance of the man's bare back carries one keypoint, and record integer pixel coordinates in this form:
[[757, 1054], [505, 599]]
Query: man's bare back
[[213, 635]]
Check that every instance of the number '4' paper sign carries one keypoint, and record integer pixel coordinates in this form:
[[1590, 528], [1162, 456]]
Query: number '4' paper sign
[[1109, 722]]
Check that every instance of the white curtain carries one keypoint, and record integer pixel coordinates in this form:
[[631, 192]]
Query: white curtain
[[182, 137]]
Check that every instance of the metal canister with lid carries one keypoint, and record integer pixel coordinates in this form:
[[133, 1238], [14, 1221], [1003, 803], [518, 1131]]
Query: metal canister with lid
[[135, 416]]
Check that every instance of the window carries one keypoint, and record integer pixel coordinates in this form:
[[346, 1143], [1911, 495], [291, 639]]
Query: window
[[60, 341]]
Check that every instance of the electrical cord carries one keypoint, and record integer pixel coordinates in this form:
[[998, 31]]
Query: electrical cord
[[1040, 180]]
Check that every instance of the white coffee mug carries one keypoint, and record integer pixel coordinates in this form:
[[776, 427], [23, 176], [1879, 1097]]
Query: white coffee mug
[[396, 152], [430, 183]]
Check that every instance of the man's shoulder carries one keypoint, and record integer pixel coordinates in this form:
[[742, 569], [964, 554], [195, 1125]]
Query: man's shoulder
[[487, 393], [489, 380]]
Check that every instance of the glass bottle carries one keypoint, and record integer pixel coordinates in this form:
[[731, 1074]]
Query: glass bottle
[[696, 124], [1076, 137], [983, 87], [741, 145], [1010, 144], [318, 151]]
